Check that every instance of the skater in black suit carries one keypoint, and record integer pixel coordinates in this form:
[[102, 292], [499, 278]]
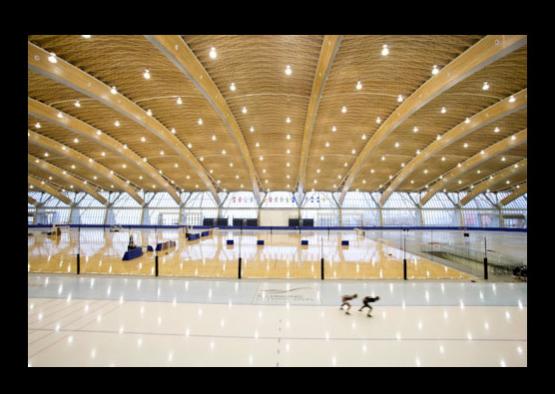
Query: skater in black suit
[[367, 301], [346, 299]]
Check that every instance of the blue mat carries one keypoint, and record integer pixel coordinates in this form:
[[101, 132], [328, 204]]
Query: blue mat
[[133, 254]]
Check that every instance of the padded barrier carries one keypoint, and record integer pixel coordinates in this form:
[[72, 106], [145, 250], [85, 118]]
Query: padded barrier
[[260, 242], [149, 248], [165, 245], [230, 242], [205, 233], [193, 237], [133, 254], [344, 242], [304, 241]]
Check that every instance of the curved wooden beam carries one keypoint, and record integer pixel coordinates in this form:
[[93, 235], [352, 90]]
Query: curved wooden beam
[[523, 189], [468, 165], [32, 201], [474, 59], [497, 111], [330, 46], [80, 81], [178, 52], [58, 172], [500, 176], [47, 113], [69, 153], [48, 189]]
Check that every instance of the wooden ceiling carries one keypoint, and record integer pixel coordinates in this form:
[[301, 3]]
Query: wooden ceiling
[[237, 121]]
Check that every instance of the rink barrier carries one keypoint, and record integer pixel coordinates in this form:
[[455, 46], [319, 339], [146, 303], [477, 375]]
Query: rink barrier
[[285, 228]]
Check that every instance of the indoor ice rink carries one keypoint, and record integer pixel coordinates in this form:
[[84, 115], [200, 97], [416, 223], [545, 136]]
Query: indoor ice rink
[[199, 201]]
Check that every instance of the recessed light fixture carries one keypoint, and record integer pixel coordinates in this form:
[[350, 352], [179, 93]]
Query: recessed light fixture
[[443, 110], [503, 158], [189, 145], [77, 104], [438, 137], [418, 151], [214, 137], [200, 121], [46, 154], [149, 112], [385, 50], [358, 85], [333, 129], [485, 86], [465, 145], [179, 101], [231, 164], [482, 152], [224, 152], [354, 151], [371, 170], [435, 69], [37, 125], [322, 158], [400, 98], [467, 120], [143, 139], [426, 171], [146, 74], [244, 110], [383, 158], [251, 129], [232, 87], [344, 110], [261, 158], [327, 144], [397, 145], [87, 36], [512, 99], [513, 137], [288, 151], [288, 70], [117, 123], [363, 136], [52, 58], [213, 54], [288, 120], [496, 130], [288, 136], [459, 165], [442, 158], [98, 132], [257, 144], [114, 90], [161, 153], [378, 120], [288, 164], [415, 129], [76, 140], [60, 115], [173, 130]]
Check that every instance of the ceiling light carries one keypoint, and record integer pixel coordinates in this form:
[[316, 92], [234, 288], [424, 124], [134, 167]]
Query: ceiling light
[[189, 145], [236, 176], [459, 165], [60, 115], [327, 144], [363, 136], [76, 140], [213, 137], [86, 36], [149, 112], [371, 170], [257, 144], [478, 171], [114, 90], [385, 50], [52, 58], [288, 70], [383, 158], [288, 120], [333, 129], [213, 54], [443, 110], [438, 137], [516, 165], [173, 130], [98, 132], [143, 139], [244, 110], [321, 158], [117, 123], [415, 129], [418, 151], [231, 164], [317, 170], [354, 151], [73, 166], [344, 109], [46, 154], [364, 181], [37, 125], [358, 85], [512, 99], [288, 164], [124, 165], [179, 101], [145, 159], [288, 136], [459, 182], [426, 171], [378, 120], [224, 152], [77, 104], [288, 151], [496, 130], [232, 87], [467, 120], [443, 158], [435, 69], [503, 158], [199, 121], [396, 145], [188, 177], [482, 152], [161, 153], [400, 98], [412, 182], [124, 146], [485, 86], [263, 170], [507, 181], [146, 74], [261, 158], [251, 129]]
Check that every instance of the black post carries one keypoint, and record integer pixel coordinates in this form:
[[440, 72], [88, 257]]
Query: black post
[[78, 264], [322, 268], [156, 265], [405, 269], [485, 259], [404, 257], [239, 268]]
